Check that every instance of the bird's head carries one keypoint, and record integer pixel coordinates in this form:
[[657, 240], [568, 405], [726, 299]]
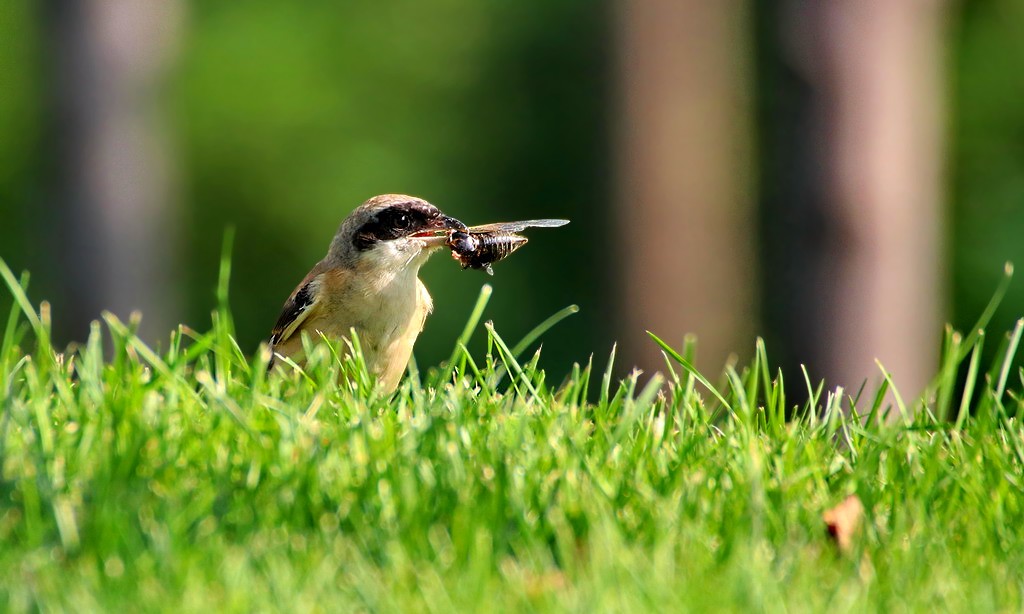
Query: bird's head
[[392, 232]]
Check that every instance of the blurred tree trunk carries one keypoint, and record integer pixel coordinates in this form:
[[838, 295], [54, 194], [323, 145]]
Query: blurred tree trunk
[[861, 196], [111, 205], [684, 211]]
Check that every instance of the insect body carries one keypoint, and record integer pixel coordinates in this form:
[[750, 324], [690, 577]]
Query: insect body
[[480, 250], [480, 246]]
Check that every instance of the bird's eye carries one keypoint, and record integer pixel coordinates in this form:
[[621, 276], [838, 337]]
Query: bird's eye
[[402, 221]]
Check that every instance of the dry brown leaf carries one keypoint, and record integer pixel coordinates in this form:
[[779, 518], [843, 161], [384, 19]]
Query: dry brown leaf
[[843, 521]]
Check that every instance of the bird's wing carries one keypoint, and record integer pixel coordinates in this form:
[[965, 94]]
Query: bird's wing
[[304, 301]]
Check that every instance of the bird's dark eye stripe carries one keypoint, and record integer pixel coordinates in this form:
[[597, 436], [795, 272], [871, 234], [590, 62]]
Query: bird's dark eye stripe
[[393, 223]]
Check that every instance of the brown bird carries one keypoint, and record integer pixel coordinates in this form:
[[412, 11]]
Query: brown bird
[[369, 282]]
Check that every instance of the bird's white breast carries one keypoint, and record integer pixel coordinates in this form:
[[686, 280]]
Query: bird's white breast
[[387, 310]]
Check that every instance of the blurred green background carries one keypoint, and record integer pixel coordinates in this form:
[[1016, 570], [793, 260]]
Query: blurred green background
[[292, 115], [986, 164], [287, 116], [284, 116]]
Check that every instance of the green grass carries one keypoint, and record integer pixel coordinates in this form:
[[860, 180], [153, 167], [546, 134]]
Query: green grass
[[188, 479]]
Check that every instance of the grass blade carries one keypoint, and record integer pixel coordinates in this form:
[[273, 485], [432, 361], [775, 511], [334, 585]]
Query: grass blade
[[689, 368]]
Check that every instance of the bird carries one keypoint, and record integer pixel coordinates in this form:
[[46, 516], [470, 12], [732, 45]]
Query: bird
[[369, 282]]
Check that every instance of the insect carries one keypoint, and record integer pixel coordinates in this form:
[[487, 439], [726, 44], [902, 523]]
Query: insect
[[479, 247]]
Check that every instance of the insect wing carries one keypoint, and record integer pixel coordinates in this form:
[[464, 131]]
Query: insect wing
[[517, 226]]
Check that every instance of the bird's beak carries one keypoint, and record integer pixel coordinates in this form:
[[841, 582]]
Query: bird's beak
[[451, 223], [436, 233]]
